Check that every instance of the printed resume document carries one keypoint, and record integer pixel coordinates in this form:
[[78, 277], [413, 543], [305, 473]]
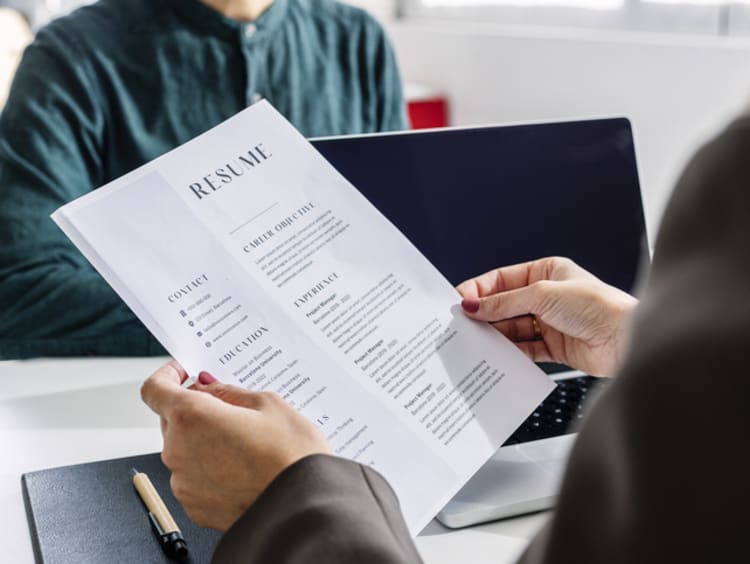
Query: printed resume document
[[249, 256]]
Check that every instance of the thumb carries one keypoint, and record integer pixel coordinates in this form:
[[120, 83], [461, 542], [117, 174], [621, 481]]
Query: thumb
[[227, 393], [504, 305]]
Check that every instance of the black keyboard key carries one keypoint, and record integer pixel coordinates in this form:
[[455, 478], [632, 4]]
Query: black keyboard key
[[556, 414]]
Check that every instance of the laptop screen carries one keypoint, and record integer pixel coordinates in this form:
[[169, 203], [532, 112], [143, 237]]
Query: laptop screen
[[475, 199]]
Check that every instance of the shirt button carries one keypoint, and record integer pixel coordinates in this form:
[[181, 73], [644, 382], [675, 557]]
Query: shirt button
[[250, 30]]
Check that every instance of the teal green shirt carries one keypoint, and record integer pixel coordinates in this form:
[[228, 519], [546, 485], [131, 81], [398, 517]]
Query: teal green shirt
[[118, 83]]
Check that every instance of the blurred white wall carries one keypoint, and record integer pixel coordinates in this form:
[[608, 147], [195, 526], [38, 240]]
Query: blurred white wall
[[14, 36], [676, 90], [384, 10]]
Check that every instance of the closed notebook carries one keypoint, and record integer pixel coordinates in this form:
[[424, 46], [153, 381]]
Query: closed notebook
[[91, 513]]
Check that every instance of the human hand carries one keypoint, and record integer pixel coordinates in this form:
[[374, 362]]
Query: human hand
[[581, 321], [224, 445]]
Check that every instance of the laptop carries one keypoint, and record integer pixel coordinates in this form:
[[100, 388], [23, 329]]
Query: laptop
[[473, 199]]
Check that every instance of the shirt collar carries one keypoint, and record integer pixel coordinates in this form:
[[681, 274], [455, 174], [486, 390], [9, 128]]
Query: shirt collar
[[205, 17]]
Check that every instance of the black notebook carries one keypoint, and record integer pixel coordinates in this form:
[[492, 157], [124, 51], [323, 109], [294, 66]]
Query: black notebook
[[91, 514]]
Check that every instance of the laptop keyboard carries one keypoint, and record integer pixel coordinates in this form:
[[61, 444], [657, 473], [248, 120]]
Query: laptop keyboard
[[557, 414]]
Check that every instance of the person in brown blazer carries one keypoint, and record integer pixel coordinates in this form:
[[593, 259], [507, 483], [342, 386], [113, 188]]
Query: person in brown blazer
[[658, 472]]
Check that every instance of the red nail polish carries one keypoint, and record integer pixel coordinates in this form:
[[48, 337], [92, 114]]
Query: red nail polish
[[470, 305], [205, 378]]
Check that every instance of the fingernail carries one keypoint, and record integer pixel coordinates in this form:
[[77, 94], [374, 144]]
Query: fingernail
[[470, 305], [205, 378]]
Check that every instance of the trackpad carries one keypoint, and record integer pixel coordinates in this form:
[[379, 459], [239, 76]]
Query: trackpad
[[517, 479]]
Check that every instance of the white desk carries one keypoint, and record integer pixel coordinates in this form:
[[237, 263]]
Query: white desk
[[60, 412]]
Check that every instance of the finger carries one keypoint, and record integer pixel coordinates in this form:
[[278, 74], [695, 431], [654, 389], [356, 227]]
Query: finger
[[162, 388], [517, 329], [507, 305], [468, 289], [206, 378], [234, 395], [502, 279], [535, 350]]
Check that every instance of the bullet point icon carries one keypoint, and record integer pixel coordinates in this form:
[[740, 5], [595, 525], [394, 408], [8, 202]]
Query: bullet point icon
[[199, 333], [208, 345], [191, 324], [182, 313]]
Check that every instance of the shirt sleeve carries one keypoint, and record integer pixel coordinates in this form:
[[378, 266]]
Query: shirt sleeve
[[321, 509], [52, 142], [391, 104], [383, 88]]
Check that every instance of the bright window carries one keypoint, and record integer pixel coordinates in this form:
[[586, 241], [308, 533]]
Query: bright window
[[706, 17]]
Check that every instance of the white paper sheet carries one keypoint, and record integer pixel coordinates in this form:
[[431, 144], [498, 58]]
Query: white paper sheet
[[248, 255]]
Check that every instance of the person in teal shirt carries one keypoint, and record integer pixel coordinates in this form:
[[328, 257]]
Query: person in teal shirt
[[118, 83]]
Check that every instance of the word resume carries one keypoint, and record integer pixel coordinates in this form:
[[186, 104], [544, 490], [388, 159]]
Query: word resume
[[249, 256]]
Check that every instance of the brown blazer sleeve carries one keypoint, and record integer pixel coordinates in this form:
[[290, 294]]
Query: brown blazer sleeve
[[660, 470], [321, 509]]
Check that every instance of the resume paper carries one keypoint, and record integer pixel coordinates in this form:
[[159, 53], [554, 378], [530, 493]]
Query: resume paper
[[248, 255]]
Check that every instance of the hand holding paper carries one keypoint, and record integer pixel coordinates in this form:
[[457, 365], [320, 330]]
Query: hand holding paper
[[225, 445]]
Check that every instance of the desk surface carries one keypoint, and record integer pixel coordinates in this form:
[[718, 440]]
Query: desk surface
[[59, 412]]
